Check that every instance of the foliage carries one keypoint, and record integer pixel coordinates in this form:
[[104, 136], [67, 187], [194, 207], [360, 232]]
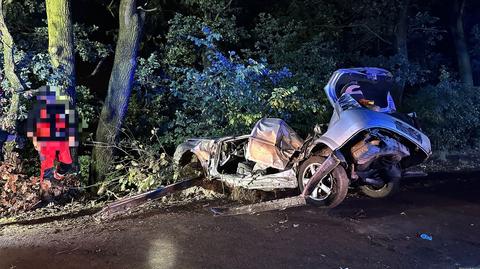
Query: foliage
[[18, 192], [217, 14], [296, 42], [230, 94], [143, 165], [475, 48], [87, 107], [84, 161], [150, 105], [449, 113], [89, 50]]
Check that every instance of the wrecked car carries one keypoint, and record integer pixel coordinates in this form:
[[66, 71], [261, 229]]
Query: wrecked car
[[367, 145]]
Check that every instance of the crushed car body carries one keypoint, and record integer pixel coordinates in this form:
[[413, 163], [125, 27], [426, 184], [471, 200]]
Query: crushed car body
[[368, 145], [261, 160]]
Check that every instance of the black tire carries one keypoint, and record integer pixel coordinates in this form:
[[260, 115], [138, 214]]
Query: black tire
[[393, 176], [338, 179]]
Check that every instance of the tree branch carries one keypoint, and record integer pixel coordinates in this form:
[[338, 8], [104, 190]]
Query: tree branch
[[97, 67], [224, 8]]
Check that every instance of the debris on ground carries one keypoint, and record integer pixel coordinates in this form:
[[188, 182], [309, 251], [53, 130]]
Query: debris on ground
[[426, 237], [127, 203], [18, 191], [195, 193], [53, 212], [459, 161], [283, 221], [361, 214]]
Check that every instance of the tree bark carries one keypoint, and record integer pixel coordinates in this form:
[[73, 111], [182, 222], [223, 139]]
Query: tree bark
[[461, 48], [9, 121], [401, 48], [121, 81], [61, 51], [401, 41], [60, 42]]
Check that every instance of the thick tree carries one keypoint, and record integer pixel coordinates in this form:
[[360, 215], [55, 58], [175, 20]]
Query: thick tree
[[120, 85], [9, 120], [61, 50], [60, 42], [458, 35], [401, 48]]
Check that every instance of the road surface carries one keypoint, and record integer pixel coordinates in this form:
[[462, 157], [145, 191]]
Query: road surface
[[361, 233]]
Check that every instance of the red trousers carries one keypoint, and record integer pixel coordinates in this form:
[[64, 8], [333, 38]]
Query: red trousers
[[48, 152]]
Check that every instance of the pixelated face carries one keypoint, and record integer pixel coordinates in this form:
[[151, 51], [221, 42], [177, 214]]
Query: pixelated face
[[52, 95]]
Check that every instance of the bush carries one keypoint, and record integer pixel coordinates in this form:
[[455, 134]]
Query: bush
[[230, 94], [84, 161], [449, 113], [142, 165], [151, 104]]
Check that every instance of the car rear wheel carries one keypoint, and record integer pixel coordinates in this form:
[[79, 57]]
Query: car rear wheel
[[331, 190], [392, 176]]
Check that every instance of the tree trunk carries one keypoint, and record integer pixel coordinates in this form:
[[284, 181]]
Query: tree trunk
[[121, 81], [9, 121], [401, 38], [60, 42], [458, 35], [61, 51]]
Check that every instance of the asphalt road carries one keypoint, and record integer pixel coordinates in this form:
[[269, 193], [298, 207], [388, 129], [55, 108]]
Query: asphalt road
[[361, 233]]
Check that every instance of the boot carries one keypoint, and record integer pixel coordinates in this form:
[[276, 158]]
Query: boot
[[51, 187], [62, 170]]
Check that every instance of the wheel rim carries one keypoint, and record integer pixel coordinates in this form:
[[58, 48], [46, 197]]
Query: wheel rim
[[377, 189], [324, 188]]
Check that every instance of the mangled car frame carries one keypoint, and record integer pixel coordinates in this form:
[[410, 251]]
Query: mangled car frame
[[367, 145]]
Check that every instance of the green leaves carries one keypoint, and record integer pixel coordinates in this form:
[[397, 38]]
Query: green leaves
[[86, 106], [449, 113], [88, 49], [142, 167]]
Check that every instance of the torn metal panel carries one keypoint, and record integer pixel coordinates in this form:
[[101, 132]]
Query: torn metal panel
[[272, 143], [282, 180], [202, 148]]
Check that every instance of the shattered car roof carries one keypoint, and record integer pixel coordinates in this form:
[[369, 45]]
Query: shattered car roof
[[272, 143]]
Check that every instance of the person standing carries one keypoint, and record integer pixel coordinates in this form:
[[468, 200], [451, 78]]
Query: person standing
[[52, 126]]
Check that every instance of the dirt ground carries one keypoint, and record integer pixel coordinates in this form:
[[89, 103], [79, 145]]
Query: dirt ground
[[361, 233]]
